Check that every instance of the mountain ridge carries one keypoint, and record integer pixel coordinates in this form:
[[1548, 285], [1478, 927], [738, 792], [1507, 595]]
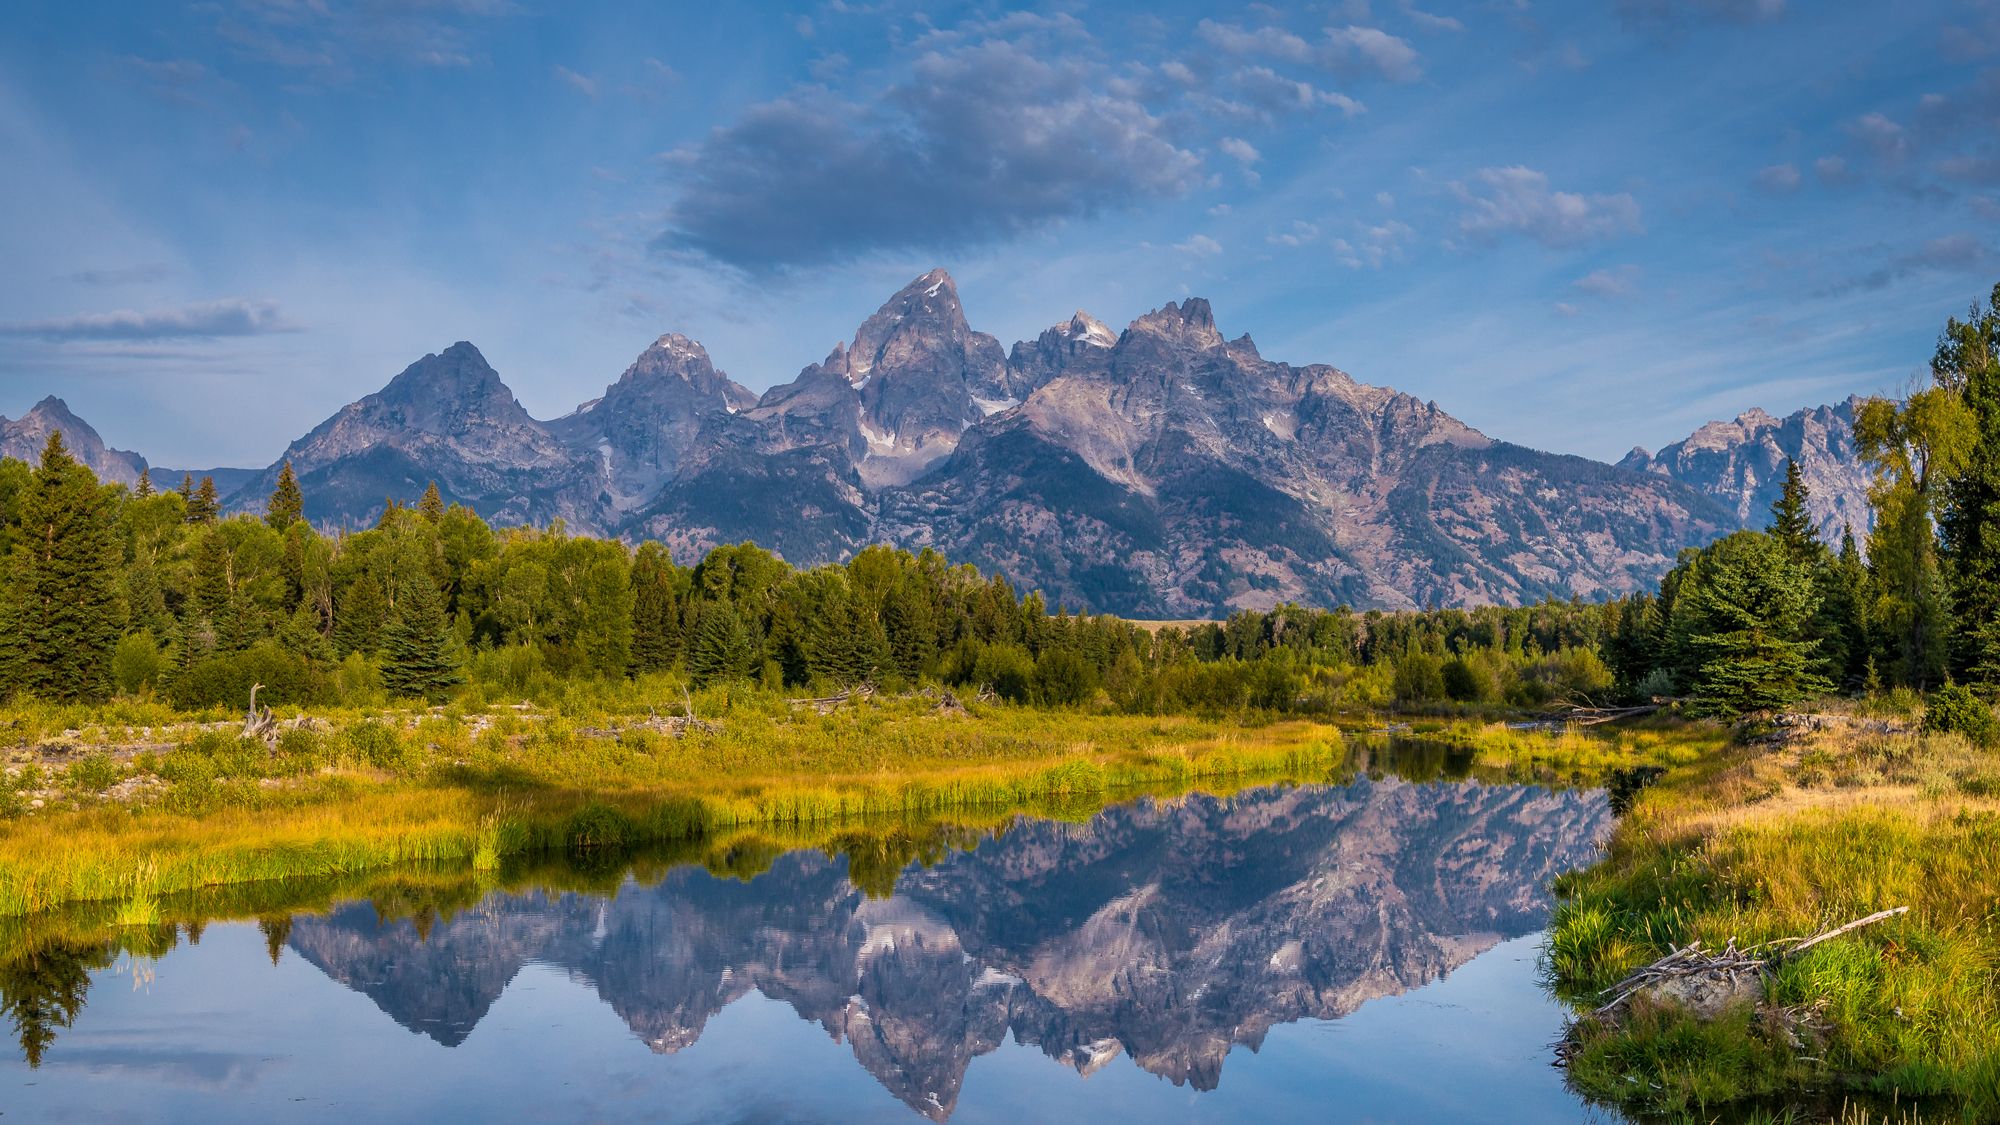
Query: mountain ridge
[[1166, 470]]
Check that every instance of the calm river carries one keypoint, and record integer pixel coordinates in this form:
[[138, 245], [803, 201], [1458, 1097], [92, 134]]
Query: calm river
[[1362, 952]]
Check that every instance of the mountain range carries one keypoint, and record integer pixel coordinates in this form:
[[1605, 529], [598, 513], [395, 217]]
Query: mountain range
[[1162, 471]]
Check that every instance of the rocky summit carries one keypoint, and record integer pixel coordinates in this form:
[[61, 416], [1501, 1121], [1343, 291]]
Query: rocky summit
[[1742, 464], [1168, 470]]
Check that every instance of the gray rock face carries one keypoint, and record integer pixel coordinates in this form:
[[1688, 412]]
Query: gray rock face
[[1175, 473], [1742, 465], [646, 422], [23, 438], [446, 418]]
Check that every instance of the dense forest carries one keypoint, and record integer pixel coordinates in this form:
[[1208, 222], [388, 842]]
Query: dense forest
[[106, 590]]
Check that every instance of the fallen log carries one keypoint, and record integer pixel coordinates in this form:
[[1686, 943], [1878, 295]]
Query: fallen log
[[1705, 981]]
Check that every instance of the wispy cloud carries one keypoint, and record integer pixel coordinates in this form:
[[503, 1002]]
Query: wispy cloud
[[143, 274], [1518, 200], [582, 84], [1778, 179], [1671, 13], [1617, 281], [206, 319]]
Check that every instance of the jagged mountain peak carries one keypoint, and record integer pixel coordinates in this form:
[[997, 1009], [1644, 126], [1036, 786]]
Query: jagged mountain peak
[[23, 438], [1191, 321], [922, 318], [1741, 463], [443, 383], [1084, 328], [672, 361]]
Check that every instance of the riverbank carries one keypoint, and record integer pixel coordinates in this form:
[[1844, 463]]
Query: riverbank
[[104, 810], [1776, 837]]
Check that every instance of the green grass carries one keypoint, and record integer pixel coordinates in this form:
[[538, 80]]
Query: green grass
[[359, 791], [1763, 844]]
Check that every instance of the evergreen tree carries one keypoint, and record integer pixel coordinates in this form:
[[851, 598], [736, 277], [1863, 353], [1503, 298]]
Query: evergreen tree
[[431, 507], [144, 488], [656, 624], [1742, 618], [187, 491], [721, 644], [288, 504], [304, 633], [203, 507], [911, 623], [417, 654], [1791, 523], [66, 575], [1967, 363], [359, 619]]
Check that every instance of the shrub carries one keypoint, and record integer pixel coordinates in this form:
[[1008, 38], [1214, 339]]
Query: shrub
[[1008, 668], [1064, 678], [136, 662], [1954, 709], [225, 679], [92, 774], [374, 743], [1419, 678]]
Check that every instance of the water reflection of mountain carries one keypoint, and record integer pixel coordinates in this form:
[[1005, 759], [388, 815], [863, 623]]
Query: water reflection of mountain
[[1165, 931]]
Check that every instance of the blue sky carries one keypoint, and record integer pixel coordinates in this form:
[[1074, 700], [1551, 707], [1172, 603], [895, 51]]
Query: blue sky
[[1577, 225]]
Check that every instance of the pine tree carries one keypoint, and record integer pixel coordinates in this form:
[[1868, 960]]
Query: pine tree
[[288, 504], [1967, 363], [144, 488], [911, 625], [431, 507], [656, 612], [1742, 619], [204, 507], [1791, 522], [359, 619], [186, 490], [67, 580], [417, 654], [721, 646]]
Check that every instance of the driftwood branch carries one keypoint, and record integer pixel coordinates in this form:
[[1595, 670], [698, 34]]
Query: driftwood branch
[[1591, 716], [1878, 916], [826, 704], [1693, 971]]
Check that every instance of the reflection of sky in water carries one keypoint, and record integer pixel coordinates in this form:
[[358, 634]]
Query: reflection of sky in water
[[1016, 983], [258, 1043]]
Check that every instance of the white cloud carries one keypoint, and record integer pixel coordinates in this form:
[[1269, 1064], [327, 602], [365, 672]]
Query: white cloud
[[1617, 281], [1371, 48], [582, 84], [1518, 200], [1374, 245], [1239, 149], [1201, 246]]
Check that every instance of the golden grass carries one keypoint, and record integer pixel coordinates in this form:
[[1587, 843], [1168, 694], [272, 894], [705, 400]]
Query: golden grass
[[1764, 842]]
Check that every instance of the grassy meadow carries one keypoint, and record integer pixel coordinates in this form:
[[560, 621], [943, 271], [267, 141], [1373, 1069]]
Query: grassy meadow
[[1769, 840]]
